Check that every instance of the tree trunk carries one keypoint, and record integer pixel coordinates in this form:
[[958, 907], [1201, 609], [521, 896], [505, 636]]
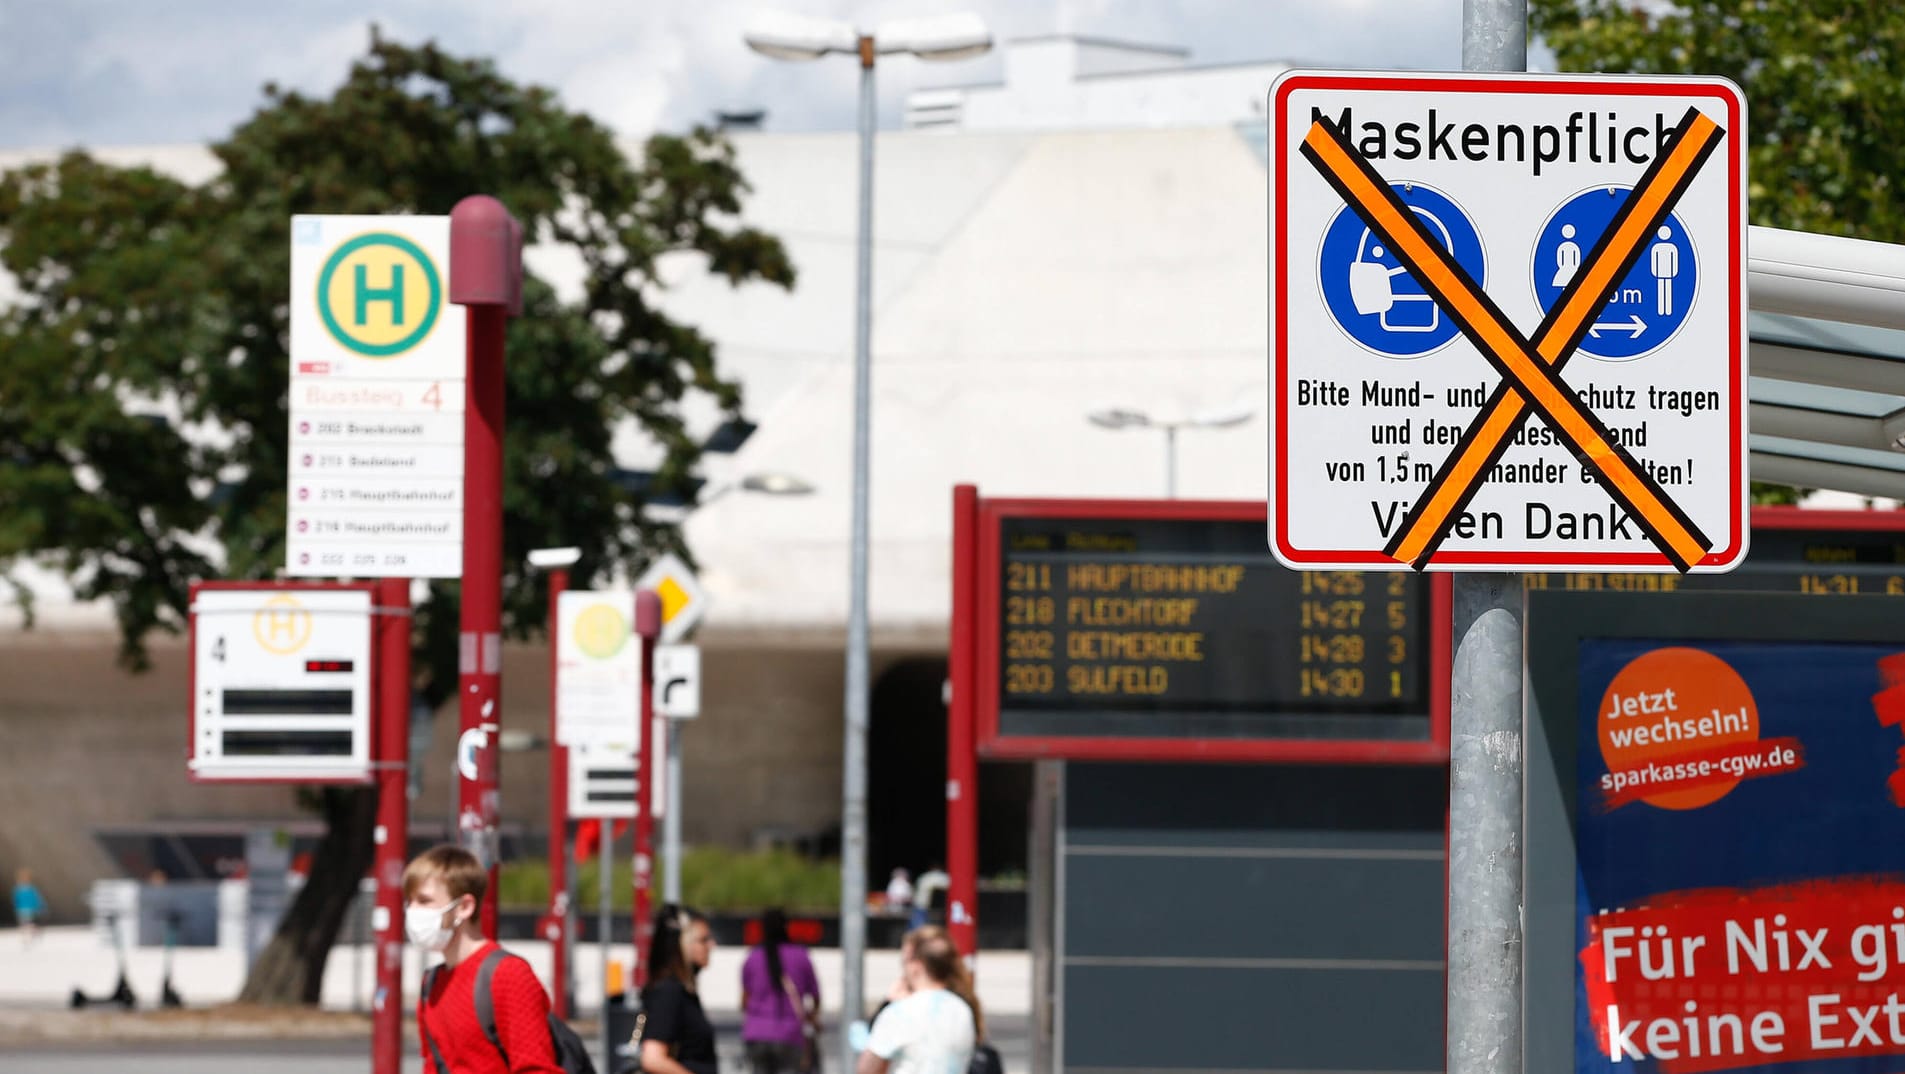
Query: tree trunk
[[290, 970]]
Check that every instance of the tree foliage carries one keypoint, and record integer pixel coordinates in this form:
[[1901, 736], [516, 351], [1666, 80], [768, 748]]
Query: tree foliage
[[142, 397], [1825, 91]]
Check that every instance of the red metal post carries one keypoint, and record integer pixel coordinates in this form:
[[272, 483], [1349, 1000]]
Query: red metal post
[[485, 277], [562, 923], [648, 625], [962, 761], [390, 720]]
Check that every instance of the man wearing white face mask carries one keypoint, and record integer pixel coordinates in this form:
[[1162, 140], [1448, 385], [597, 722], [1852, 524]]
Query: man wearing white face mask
[[443, 889]]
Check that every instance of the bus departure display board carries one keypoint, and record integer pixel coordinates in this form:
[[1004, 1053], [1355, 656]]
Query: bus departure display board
[[1821, 553], [1185, 630]]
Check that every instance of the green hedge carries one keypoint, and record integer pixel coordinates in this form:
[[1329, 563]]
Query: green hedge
[[712, 878]]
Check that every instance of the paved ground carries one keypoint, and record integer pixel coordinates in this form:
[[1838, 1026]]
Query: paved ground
[[345, 1056], [39, 1035], [42, 975]]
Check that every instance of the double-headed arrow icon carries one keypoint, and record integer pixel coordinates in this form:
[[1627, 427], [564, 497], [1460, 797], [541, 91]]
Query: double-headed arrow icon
[[1634, 326]]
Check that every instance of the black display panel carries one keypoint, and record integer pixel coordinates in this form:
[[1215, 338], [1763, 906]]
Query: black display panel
[[1168, 628], [1822, 562]]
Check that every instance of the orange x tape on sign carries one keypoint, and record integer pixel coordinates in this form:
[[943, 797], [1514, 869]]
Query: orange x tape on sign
[[1530, 373]]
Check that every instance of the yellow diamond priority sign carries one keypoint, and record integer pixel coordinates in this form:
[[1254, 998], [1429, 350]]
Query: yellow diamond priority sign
[[683, 601]]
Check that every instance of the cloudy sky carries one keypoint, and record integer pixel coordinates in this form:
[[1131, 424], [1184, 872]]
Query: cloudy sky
[[106, 72]]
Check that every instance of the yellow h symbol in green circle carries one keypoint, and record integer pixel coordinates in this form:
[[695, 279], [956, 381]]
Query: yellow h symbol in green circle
[[365, 294]]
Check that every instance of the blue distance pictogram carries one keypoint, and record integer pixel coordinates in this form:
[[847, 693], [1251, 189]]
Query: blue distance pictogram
[[1377, 302], [1649, 304]]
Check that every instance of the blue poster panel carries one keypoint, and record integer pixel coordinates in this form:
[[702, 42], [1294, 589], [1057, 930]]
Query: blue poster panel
[[1740, 848]]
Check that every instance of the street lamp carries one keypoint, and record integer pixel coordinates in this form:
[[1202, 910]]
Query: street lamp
[[1127, 418], [793, 37]]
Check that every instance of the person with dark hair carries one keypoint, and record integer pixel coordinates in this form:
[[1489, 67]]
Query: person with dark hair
[[931, 1021], [780, 1002], [443, 894], [673, 1034]]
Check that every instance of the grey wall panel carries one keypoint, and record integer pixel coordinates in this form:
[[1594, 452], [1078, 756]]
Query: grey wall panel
[[1169, 1018], [1256, 805], [1254, 907], [1252, 918]]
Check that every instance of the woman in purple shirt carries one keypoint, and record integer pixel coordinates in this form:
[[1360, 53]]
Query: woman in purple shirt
[[780, 1003]]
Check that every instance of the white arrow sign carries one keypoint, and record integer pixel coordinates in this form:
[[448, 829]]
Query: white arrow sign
[[678, 681]]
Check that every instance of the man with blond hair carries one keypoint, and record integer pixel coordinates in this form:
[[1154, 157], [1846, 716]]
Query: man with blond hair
[[443, 893]]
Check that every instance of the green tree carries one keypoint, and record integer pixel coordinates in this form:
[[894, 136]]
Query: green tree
[[142, 397], [1825, 91]]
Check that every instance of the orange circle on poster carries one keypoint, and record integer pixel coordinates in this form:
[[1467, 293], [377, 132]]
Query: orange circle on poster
[[1668, 707]]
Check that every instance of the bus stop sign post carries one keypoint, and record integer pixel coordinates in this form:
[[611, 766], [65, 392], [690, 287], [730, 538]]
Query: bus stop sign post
[[486, 275], [648, 623], [390, 724]]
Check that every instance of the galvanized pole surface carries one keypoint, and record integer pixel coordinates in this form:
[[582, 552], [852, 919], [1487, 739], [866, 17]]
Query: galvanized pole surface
[[853, 824], [671, 819], [1485, 755], [1494, 35], [1485, 840], [562, 975]]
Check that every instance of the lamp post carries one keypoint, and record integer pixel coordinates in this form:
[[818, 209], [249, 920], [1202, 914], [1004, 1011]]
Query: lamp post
[[1127, 418], [792, 37]]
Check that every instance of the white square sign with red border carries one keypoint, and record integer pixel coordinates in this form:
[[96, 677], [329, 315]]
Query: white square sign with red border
[[1507, 322]]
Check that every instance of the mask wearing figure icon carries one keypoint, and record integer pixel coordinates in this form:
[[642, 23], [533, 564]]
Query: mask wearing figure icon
[[1373, 290]]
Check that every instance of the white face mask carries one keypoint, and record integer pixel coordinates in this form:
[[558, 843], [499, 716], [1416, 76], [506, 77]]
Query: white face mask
[[424, 926]]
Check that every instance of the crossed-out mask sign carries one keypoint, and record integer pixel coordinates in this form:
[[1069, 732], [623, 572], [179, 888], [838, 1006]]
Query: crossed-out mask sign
[[376, 400], [1507, 322]]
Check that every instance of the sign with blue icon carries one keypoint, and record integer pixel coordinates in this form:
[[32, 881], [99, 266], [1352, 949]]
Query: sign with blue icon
[[1649, 304], [1507, 322], [1373, 298]]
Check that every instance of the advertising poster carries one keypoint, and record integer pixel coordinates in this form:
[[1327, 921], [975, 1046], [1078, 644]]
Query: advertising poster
[[1739, 824]]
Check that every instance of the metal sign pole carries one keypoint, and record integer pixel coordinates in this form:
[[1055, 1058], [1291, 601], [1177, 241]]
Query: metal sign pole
[[486, 278], [391, 732], [605, 865], [962, 761], [1485, 739], [671, 818], [648, 625], [853, 791], [562, 983]]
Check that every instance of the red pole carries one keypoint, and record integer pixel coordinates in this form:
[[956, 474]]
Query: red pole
[[962, 761], [558, 819], [485, 277], [391, 721], [480, 679], [648, 625]]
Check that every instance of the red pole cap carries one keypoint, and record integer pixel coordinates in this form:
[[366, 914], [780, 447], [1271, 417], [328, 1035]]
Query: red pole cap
[[486, 255], [648, 613]]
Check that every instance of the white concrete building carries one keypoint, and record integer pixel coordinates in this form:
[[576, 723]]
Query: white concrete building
[[1069, 82]]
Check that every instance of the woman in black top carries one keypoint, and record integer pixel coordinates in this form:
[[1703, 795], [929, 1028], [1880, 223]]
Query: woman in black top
[[676, 1036]]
